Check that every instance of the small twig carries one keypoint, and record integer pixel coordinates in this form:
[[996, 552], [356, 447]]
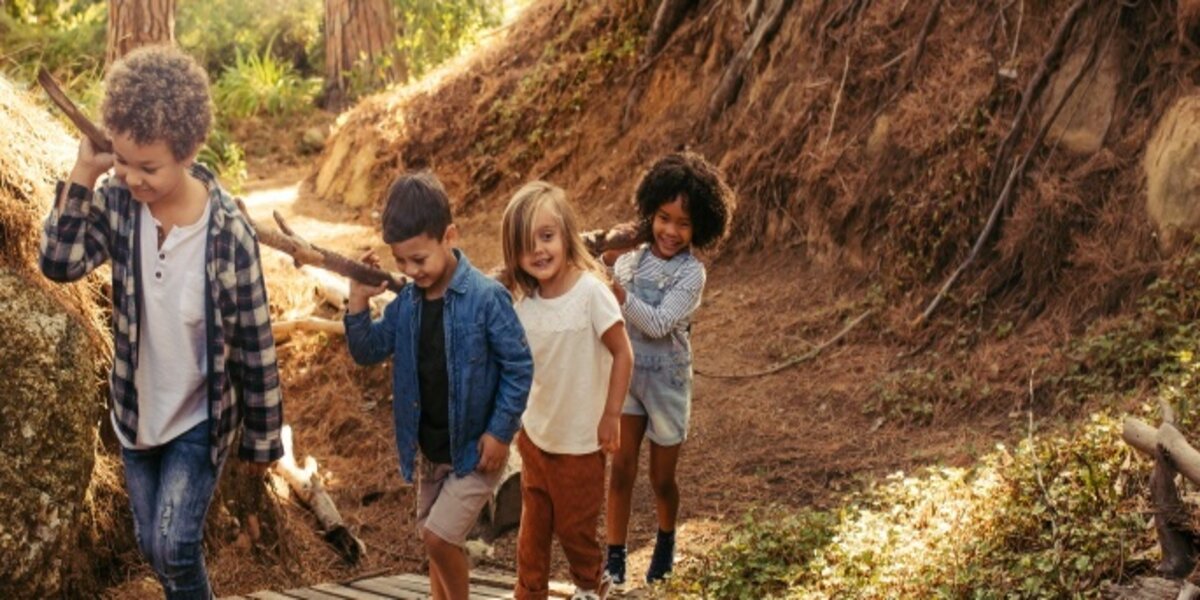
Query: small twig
[[1017, 34], [791, 362], [837, 101]]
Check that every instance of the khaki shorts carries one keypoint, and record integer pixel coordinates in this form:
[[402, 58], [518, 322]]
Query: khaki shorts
[[449, 505]]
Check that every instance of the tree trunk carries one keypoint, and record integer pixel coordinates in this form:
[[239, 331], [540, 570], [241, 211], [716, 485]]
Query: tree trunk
[[136, 23], [359, 33]]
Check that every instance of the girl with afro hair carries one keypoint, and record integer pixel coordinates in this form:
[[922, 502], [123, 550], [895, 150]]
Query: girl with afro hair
[[683, 204]]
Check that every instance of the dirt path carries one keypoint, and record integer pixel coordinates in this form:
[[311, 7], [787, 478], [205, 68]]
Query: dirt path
[[798, 438]]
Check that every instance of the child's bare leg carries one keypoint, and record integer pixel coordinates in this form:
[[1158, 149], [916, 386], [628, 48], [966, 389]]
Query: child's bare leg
[[624, 474], [663, 460], [449, 570]]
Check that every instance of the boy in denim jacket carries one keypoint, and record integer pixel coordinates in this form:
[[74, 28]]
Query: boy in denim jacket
[[461, 371]]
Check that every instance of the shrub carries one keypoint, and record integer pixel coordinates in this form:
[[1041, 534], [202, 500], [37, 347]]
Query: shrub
[[1049, 519], [258, 83]]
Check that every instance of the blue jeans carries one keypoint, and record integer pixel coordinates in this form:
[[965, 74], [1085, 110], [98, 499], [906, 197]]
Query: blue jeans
[[170, 488]]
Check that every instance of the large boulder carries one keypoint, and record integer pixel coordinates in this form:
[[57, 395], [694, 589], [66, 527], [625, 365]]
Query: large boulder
[[1172, 165], [51, 370], [49, 408]]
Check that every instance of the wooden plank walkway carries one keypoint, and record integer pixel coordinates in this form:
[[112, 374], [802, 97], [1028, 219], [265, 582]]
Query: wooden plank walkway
[[485, 585]]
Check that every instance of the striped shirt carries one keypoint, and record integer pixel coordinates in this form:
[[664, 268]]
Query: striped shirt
[[680, 300], [242, 375]]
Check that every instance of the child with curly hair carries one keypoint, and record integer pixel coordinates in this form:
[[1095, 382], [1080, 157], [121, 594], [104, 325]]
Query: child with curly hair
[[683, 203], [194, 357]]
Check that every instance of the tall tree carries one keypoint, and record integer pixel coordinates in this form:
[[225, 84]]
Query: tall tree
[[360, 38], [136, 23]]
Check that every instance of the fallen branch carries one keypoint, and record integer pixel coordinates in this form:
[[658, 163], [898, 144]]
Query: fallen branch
[[99, 141], [795, 360], [303, 253], [282, 330], [1172, 521], [309, 488], [1167, 438], [1018, 170]]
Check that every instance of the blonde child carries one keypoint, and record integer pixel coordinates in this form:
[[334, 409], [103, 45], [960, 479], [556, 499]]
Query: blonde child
[[582, 364], [683, 203]]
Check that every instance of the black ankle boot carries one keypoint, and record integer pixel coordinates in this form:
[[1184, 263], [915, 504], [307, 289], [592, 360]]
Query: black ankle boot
[[663, 558]]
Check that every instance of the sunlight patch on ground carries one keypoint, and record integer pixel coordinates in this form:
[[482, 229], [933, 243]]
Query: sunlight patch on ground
[[271, 198]]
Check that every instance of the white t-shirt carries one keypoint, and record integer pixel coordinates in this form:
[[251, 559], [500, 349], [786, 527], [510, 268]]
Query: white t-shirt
[[172, 361], [571, 366]]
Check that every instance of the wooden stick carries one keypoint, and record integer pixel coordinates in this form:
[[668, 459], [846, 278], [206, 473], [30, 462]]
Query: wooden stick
[[282, 330], [837, 101], [99, 141], [1140, 435], [307, 484]]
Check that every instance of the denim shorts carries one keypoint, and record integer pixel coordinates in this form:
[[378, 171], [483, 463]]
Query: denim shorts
[[662, 392]]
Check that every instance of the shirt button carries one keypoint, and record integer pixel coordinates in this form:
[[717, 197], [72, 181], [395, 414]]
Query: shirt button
[[158, 275], [162, 256]]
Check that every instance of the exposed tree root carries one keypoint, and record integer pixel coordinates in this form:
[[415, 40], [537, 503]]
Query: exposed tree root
[[791, 362], [1049, 65], [731, 81]]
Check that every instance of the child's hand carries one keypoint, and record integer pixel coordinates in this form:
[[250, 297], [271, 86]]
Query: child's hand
[[90, 164], [493, 454], [609, 433], [361, 293], [619, 292]]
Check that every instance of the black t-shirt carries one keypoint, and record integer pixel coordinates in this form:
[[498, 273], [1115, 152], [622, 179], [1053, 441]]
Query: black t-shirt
[[433, 435]]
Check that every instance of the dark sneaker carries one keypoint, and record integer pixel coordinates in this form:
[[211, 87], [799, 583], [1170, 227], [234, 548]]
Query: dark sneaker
[[663, 558], [615, 567]]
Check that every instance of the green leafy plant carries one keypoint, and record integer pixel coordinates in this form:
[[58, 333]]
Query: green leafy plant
[[258, 83], [1050, 518], [226, 157], [432, 31]]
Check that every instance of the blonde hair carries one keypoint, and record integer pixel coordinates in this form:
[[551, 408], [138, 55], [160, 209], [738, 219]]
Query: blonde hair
[[518, 234]]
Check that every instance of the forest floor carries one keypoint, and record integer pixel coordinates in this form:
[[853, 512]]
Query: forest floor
[[797, 438]]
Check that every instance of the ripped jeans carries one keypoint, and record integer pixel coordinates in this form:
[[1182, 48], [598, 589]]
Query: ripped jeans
[[170, 488]]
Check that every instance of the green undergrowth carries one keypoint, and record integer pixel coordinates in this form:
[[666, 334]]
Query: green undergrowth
[[1152, 346], [1052, 517]]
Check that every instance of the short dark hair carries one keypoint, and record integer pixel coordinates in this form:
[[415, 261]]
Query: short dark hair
[[706, 197], [416, 204]]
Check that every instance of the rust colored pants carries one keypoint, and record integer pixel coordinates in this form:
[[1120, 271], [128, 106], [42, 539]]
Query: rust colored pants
[[561, 496]]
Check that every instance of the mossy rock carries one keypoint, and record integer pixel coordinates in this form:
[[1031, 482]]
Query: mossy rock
[[50, 405]]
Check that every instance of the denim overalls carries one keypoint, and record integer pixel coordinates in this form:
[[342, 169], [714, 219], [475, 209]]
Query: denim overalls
[[661, 388]]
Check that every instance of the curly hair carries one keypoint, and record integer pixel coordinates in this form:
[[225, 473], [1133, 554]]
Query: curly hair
[[158, 93], [706, 197]]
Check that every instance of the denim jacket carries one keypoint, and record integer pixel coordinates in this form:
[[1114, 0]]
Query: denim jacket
[[489, 365]]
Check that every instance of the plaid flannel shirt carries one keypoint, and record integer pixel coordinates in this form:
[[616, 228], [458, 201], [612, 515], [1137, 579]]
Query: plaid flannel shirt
[[243, 378]]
